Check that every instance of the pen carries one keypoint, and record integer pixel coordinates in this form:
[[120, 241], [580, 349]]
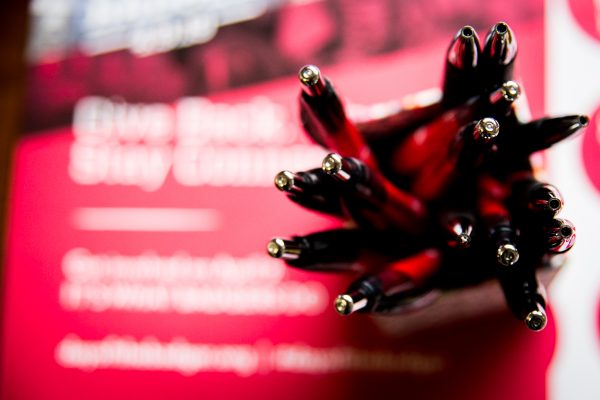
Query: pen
[[335, 249], [397, 278], [311, 189], [524, 139], [324, 118]]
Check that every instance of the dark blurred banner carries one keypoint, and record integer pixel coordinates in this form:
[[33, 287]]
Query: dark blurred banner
[[142, 201]]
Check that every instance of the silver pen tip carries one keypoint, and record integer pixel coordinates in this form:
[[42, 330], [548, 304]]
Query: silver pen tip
[[332, 163], [536, 320], [276, 248], [309, 75], [284, 181], [507, 254], [488, 128], [464, 240], [511, 90], [344, 304]]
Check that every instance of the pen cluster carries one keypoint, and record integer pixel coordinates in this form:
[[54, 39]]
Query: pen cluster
[[435, 197]]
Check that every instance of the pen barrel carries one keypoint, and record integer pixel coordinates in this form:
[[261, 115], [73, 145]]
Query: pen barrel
[[320, 203], [392, 128]]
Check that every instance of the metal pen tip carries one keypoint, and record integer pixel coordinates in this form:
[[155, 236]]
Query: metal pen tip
[[487, 128], [286, 249], [511, 90], [464, 240], [284, 181], [346, 304], [332, 163], [309, 75], [311, 79], [584, 120], [276, 248], [536, 320], [343, 304], [507, 254]]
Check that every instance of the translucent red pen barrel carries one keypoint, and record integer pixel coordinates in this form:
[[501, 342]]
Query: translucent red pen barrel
[[371, 198]]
